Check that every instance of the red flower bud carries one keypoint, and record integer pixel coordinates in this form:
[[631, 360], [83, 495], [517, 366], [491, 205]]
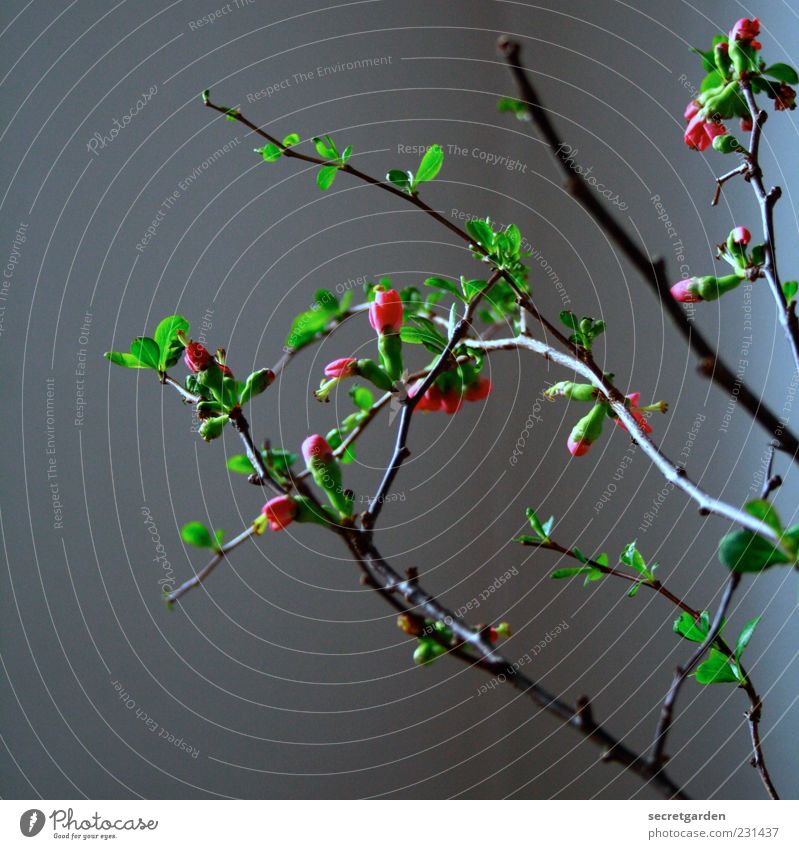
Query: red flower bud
[[345, 367], [385, 312], [746, 124], [683, 292], [479, 390], [700, 132], [430, 402], [316, 448], [279, 512], [741, 236], [451, 401], [578, 447], [745, 29], [197, 357]]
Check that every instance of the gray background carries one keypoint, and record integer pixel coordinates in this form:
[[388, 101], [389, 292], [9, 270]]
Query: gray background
[[287, 676]]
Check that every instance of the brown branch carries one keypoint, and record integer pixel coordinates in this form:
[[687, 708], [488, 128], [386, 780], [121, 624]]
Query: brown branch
[[401, 450], [652, 271], [417, 602]]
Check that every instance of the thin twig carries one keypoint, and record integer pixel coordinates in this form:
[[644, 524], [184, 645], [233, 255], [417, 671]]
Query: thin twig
[[766, 201], [652, 271], [220, 555], [674, 474]]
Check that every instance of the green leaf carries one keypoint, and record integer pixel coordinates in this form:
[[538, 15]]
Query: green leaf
[[509, 104], [717, 669], [195, 533], [346, 154], [745, 636], [118, 358], [146, 350], [789, 289], [593, 575], [632, 557], [271, 152], [167, 340], [240, 464], [362, 398], [535, 524], [711, 80], [693, 630], [325, 148], [219, 535], [472, 288], [482, 233], [325, 177], [444, 286], [291, 139], [744, 551], [633, 591], [763, 510], [569, 319], [423, 332], [570, 572], [403, 180], [782, 72], [430, 165]]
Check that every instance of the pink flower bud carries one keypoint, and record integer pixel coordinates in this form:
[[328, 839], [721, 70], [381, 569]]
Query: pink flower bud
[[634, 398], [385, 312], [345, 367], [683, 293], [578, 447], [700, 132], [691, 109], [479, 390], [197, 357], [741, 236], [745, 29], [316, 448], [279, 512]]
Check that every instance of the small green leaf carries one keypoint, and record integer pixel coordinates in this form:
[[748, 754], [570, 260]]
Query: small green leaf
[[782, 72], [482, 233], [570, 320], [717, 669], [346, 154], [633, 591], [240, 464], [535, 524], [362, 398], [118, 358], [509, 104], [167, 340], [789, 289], [763, 510], [146, 350], [570, 572], [472, 288], [444, 286], [593, 575], [632, 557], [195, 533], [326, 148], [271, 152], [403, 180], [745, 636], [430, 165], [691, 629], [325, 177], [219, 535], [291, 139], [744, 551]]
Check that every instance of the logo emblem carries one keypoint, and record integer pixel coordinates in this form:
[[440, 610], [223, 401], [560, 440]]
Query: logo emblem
[[31, 822]]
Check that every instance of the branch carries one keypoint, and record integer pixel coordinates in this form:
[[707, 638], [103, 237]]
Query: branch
[[401, 450], [676, 475], [407, 596], [653, 272], [766, 201], [206, 570]]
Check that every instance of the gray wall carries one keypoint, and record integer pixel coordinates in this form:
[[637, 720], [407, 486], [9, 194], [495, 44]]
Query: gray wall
[[287, 678]]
